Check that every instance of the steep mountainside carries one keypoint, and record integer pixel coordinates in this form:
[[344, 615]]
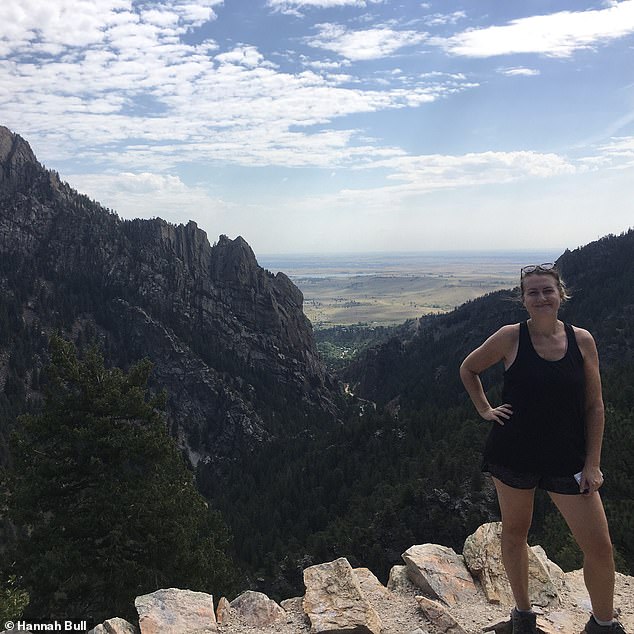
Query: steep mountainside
[[229, 340]]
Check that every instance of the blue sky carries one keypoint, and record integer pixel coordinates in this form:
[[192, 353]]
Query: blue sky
[[335, 125]]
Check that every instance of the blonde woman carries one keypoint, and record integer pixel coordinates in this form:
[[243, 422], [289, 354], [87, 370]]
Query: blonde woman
[[547, 434]]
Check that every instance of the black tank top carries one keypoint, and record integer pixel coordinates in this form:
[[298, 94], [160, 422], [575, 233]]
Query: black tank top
[[546, 433]]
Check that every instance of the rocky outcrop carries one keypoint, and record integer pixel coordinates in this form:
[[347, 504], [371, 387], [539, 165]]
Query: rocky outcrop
[[256, 609], [340, 599], [483, 556], [334, 601], [175, 611], [228, 339], [440, 572], [18, 165]]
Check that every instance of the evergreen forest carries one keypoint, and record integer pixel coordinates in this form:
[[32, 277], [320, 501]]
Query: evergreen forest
[[102, 504]]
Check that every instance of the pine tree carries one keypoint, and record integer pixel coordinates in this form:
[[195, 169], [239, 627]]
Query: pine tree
[[103, 500]]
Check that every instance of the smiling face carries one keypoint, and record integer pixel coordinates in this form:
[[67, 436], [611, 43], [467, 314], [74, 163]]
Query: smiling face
[[541, 294]]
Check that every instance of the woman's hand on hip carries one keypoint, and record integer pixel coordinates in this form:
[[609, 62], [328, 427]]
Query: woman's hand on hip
[[498, 414]]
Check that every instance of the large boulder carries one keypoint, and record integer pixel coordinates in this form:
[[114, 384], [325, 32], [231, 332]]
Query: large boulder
[[398, 580], [483, 555], [175, 611], [369, 583], [439, 572], [256, 609], [334, 601]]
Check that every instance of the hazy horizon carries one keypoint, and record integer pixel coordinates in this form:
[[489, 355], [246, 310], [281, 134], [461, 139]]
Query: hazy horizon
[[382, 260]]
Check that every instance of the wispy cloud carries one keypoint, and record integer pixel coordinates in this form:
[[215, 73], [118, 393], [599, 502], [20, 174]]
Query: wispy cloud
[[440, 19], [619, 152], [436, 171], [285, 5], [365, 44], [555, 35], [418, 179], [150, 195], [519, 71]]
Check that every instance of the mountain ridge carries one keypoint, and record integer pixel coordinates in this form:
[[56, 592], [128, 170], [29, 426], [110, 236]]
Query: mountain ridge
[[210, 311]]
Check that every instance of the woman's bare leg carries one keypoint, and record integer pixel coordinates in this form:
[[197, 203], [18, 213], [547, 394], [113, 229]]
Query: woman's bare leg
[[586, 518], [516, 506]]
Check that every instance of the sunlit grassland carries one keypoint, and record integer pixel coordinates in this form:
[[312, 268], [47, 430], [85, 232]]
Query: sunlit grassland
[[386, 300], [386, 289]]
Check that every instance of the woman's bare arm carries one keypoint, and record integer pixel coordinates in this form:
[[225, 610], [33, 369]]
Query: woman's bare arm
[[594, 411], [496, 348]]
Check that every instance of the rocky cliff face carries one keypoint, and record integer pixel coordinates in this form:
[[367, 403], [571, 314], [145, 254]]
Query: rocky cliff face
[[229, 340]]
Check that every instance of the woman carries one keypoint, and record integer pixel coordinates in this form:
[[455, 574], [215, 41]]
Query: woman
[[546, 434]]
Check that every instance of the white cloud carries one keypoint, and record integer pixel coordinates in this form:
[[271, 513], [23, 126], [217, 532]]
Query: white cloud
[[295, 7], [363, 44], [53, 27], [618, 153], [162, 17], [555, 35], [519, 70], [620, 144], [326, 65], [284, 5], [133, 88], [440, 19], [428, 173], [247, 56], [150, 195], [139, 98]]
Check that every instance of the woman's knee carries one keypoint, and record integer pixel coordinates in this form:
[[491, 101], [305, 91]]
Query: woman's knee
[[515, 533], [599, 547]]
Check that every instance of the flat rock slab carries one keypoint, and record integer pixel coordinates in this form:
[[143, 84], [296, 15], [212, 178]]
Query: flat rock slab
[[439, 572], [174, 611], [440, 616]]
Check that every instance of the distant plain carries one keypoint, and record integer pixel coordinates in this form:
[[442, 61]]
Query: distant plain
[[381, 289]]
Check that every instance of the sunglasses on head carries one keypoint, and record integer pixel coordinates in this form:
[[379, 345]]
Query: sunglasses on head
[[537, 268]]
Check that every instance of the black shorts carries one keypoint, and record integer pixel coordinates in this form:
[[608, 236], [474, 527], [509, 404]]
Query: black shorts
[[566, 485]]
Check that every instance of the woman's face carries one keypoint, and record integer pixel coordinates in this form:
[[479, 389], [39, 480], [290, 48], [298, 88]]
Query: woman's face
[[541, 294]]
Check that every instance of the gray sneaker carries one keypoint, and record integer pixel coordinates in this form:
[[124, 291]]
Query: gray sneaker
[[592, 627], [524, 622]]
